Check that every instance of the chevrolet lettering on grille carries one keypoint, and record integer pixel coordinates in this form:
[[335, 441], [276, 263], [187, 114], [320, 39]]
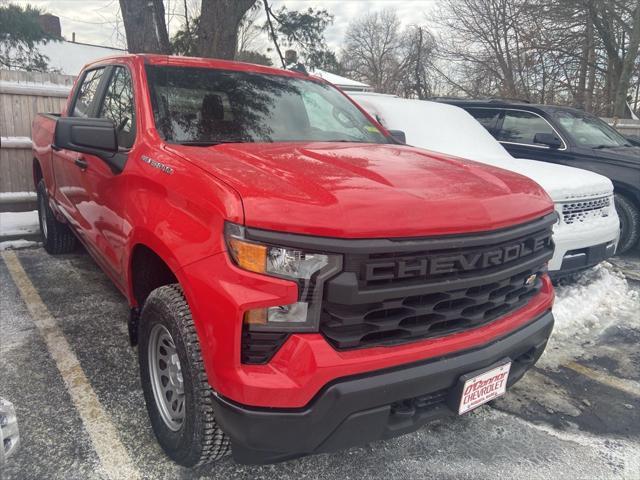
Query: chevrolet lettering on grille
[[460, 262]]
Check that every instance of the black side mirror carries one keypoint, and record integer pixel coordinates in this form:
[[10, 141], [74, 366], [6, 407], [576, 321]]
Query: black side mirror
[[398, 135], [548, 139], [95, 136]]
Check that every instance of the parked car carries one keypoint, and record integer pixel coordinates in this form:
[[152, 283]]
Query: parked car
[[588, 227], [298, 281], [569, 137], [9, 433]]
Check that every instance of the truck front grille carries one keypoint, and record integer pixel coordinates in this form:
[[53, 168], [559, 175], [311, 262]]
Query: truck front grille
[[428, 288], [578, 212], [396, 320]]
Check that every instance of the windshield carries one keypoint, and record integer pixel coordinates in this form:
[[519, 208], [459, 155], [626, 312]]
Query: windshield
[[588, 131], [202, 106]]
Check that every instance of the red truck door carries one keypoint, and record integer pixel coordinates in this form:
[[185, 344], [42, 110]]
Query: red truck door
[[67, 165], [94, 192]]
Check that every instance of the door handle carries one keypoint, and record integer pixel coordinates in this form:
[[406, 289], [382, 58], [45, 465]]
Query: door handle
[[81, 162]]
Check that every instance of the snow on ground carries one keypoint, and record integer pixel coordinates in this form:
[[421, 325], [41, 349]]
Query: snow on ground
[[596, 300], [17, 244], [18, 223], [14, 196]]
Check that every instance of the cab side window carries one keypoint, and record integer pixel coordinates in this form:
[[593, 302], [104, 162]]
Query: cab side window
[[487, 117], [118, 106], [87, 93], [521, 127]]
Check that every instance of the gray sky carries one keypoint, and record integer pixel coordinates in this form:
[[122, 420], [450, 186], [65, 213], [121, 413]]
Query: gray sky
[[96, 21]]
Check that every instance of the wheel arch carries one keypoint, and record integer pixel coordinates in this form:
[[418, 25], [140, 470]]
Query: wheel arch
[[36, 170], [150, 265]]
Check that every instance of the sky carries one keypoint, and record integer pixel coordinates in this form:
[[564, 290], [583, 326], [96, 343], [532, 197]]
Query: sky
[[97, 21]]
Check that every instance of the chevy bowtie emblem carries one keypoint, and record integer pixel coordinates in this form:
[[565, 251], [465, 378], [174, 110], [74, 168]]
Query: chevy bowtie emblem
[[531, 280]]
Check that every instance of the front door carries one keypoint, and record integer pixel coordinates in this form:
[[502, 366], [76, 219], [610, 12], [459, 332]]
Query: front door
[[68, 166], [98, 206]]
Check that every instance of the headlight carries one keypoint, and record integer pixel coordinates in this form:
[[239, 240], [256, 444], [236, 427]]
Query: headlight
[[308, 269]]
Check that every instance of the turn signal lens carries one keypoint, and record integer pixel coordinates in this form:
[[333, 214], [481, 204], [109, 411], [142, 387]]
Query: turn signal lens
[[250, 256], [256, 317]]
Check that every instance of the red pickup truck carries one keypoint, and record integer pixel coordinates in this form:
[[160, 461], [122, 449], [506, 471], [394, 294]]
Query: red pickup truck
[[299, 281]]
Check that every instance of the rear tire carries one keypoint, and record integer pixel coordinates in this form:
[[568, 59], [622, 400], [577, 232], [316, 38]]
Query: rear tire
[[629, 223], [56, 236], [174, 381]]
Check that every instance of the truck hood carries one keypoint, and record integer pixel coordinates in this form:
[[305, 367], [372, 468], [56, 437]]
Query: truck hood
[[367, 191], [562, 183]]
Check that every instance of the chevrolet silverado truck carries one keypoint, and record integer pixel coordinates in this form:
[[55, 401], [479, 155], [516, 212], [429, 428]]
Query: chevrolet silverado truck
[[588, 227], [299, 282]]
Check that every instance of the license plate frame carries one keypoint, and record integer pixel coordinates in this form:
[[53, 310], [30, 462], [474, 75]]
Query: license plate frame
[[481, 386]]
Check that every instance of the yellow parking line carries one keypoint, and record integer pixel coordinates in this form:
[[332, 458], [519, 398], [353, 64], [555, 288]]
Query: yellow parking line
[[104, 435], [627, 386]]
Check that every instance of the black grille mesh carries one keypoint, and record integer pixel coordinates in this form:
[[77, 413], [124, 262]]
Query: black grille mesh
[[423, 316]]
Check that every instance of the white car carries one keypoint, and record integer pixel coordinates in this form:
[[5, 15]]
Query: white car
[[588, 228], [9, 435]]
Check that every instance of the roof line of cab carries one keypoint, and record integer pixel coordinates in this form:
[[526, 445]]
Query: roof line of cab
[[214, 63], [496, 103]]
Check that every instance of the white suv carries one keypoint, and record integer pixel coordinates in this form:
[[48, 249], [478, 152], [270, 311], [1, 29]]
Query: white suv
[[588, 228]]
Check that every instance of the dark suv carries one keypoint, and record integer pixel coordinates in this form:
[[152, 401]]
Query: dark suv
[[570, 137]]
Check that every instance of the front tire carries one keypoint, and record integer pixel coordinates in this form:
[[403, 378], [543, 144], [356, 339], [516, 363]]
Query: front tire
[[629, 223], [56, 236], [174, 381]]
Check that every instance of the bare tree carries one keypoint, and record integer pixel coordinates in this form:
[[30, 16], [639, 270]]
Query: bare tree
[[218, 27], [419, 75], [145, 27], [373, 50], [249, 30], [618, 25]]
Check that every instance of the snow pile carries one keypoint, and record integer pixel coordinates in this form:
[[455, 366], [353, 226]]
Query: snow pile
[[18, 223], [599, 299], [17, 244], [17, 196]]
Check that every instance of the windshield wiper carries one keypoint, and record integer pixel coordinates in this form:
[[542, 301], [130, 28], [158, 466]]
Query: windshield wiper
[[600, 147], [197, 143]]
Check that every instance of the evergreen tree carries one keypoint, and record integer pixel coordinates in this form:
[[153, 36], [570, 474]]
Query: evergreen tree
[[20, 33]]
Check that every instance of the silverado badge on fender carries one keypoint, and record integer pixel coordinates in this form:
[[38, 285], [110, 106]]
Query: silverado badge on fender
[[155, 164]]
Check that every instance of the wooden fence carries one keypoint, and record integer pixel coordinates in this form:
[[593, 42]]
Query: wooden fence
[[22, 95]]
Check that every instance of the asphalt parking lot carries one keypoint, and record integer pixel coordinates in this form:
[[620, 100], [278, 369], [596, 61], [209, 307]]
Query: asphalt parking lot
[[66, 365]]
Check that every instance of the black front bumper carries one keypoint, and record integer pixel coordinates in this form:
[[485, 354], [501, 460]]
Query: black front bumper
[[383, 404], [577, 260]]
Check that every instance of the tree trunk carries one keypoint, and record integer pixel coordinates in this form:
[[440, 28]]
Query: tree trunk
[[218, 28], [145, 26], [580, 96], [626, 69], [591, 83]]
